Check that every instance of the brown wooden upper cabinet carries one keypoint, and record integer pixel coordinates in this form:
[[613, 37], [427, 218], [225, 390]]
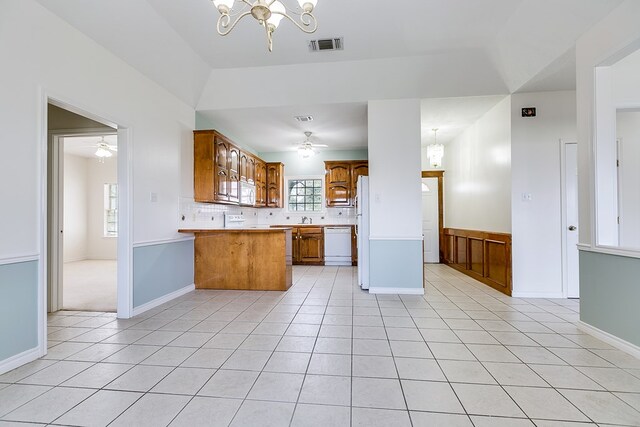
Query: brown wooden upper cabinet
[[210, 167], [341, 178], [261, 183], [220, 166], [247, 168], [275, 185], [234, 174]]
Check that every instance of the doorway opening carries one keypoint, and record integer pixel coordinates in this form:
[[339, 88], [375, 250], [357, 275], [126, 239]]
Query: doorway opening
[[433, 216], [83, 213]]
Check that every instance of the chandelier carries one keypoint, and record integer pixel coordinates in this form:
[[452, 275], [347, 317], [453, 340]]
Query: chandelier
[[268, 13], [435, 151]]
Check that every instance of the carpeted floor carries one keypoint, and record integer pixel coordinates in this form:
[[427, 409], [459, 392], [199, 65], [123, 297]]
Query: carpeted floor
[[90, 285]]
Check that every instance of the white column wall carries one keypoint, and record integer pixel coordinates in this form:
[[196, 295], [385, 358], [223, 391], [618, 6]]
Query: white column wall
[[395, 197], [394, 168]]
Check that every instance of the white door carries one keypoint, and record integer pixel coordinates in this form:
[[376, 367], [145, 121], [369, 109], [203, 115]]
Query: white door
[[430, 226], [571, 220]]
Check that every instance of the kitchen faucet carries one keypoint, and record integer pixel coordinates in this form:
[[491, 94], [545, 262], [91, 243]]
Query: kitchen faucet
[[304, 220]]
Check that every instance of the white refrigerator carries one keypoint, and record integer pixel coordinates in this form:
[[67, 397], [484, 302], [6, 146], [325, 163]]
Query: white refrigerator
[[362, 214]]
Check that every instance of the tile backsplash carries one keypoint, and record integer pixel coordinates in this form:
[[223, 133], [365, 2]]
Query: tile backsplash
[[205, 215]]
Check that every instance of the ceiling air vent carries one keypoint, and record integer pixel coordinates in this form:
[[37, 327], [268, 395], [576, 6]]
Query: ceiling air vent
[[304, 118], [326, 44]]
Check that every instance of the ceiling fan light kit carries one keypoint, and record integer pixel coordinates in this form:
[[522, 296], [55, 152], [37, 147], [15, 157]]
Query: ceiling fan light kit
[[307, 148], [268, 13]]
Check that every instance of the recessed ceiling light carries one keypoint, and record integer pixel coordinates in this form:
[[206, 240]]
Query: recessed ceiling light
[[304, 118]]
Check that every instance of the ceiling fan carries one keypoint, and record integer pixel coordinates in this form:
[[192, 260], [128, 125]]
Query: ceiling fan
[[104, 149], [307, 148]]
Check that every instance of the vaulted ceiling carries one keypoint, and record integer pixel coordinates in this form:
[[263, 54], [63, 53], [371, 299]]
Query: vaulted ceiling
[[399, 49]]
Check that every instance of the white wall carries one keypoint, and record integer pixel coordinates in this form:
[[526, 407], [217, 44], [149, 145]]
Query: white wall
[[478, 174], [616, 35], [32, 43], [394, 169], [536, 169], [628, 131], [98, 174], [75, 208]]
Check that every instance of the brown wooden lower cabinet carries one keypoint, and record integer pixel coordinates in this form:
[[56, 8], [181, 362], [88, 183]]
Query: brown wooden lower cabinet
[[308, 246], [485, 256], [354, 245]]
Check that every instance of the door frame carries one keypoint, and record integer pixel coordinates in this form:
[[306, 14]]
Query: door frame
[[125, 208], [440, 176], [563, 215], [56, 246]]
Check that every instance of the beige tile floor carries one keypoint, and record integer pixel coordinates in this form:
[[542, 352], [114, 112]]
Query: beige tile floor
[[327, 354]]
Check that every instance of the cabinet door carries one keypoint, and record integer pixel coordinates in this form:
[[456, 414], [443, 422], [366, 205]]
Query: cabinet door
[[204, 182], [234, 174], [244, 167], [311, 247], [357, 169], [275, 185], [261, 183], [251, 170], [221, 176], [295, 246], [338, 183], [354, 245]]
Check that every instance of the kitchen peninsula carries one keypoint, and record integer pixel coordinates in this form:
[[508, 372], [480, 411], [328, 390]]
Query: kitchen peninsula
[[243, 259]]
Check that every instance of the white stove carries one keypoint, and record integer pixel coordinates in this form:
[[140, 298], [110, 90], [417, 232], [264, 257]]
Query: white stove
[[233, 221]]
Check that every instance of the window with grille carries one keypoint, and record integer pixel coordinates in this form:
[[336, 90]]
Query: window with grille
[[304, 195], [111, 210]]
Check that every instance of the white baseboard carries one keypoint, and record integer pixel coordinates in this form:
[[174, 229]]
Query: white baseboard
[[618, 343], [516, 294], [19, 360], [166, 298], [400, 291]]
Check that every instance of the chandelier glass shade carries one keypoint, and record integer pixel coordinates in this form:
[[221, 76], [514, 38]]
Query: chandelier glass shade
[[102, 152], [268, 13], [435, 152]]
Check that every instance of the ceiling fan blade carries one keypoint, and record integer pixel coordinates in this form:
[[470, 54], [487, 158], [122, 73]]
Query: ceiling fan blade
[[320, 145]]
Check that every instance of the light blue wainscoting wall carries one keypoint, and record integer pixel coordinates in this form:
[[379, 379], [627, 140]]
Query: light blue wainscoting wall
[[610, 294], [161, 269], [396, 264], [18, 308]]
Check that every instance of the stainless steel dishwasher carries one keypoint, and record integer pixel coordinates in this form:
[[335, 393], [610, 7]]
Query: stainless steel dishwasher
[[337, 245]]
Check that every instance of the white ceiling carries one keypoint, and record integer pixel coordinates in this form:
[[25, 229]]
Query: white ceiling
[[340, 126], [445, 49], [86, 146]]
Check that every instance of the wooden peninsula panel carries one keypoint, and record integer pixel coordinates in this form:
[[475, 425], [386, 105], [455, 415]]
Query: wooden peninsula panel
[[485, 256], [245, 259]]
